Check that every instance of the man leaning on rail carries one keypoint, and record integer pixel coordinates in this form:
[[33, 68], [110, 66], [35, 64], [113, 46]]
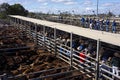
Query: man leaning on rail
[[116, 63]]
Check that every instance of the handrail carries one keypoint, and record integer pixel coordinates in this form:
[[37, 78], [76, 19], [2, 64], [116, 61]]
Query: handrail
[[76, 75], [84, 59], [85, 55], [53, 75], [102, 69], [13, 49], [39, 72]]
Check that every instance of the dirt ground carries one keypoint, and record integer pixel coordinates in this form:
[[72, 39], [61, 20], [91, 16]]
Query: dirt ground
[[29, 61]]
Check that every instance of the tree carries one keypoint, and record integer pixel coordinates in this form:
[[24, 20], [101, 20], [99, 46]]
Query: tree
[[4, 10], [18, 9]]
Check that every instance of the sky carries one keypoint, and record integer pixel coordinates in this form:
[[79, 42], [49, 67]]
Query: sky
[[72, 6]]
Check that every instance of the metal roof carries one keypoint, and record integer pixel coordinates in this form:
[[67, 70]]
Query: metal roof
[[107, 37]]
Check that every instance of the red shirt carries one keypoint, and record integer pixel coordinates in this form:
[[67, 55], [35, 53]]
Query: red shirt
[[83, 56]]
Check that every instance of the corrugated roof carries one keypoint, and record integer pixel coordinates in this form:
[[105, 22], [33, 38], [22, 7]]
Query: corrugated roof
[[107, 37]]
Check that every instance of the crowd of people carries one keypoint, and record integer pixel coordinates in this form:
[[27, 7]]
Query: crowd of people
[[98, 24], [92, 23]]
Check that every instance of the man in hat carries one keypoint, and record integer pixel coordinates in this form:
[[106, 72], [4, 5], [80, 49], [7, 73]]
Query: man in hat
[[116, 63]]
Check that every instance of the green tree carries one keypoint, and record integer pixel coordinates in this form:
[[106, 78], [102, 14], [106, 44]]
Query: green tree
[[4, 10], [18, 9]]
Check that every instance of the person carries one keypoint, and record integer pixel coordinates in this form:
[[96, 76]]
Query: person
[[114, 26], [91, 25], [103, 66], [81, 47], [82, 22], [90, 20], [94, 24], [97, 25], [115, 62], [92, 50], [101, 25], [87, 22], [82, 57], [105, 55], [68, 42], [107, 25]]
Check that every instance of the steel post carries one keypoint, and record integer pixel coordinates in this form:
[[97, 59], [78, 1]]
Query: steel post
[[15, 22], [71, 50], [30, 30], [44, 36], [55, 41], [35, 37], [97, 60]]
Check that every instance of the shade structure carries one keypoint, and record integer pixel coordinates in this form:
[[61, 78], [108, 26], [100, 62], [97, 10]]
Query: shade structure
[[106, 37]]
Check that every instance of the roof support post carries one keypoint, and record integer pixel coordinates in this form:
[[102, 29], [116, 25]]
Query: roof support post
[[35, 35], [25, 27], [22, 25], [17, 24], [10, 20], [71, 50], [97, 60], [14, 22], [44, 36], [29, 27], [18, 27], [55, 41]]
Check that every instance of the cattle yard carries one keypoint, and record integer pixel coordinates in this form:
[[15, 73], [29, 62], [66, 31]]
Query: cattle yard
[[21, 59], [32, 49]]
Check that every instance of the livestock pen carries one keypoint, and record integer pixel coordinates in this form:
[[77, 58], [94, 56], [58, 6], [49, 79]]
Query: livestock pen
[[48, 35]]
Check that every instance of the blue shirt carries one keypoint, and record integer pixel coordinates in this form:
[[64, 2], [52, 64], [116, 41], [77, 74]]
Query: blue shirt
[[107, 22], [83, 20], [114, 24]]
